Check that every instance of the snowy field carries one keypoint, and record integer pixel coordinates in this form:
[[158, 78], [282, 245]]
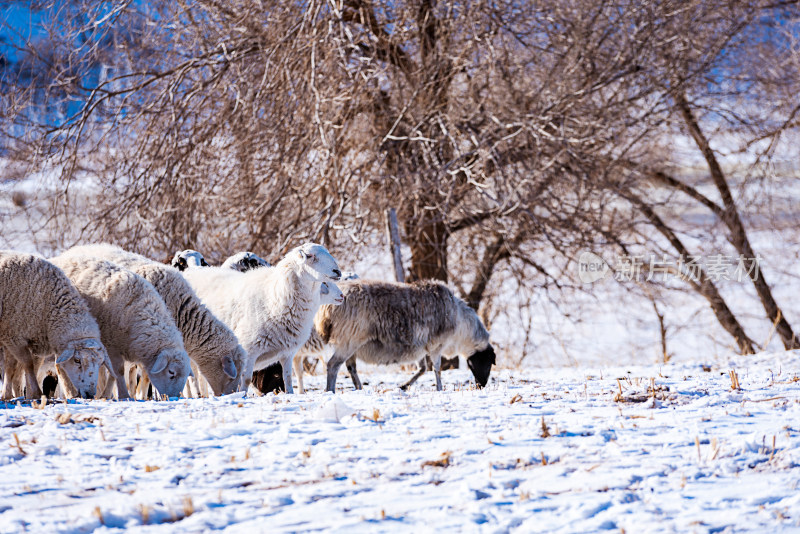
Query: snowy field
[[554, 450]]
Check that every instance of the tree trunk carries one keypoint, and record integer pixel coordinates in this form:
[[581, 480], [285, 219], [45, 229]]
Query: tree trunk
[[738, 235], [393, 236], [429, 252], [495, 252]]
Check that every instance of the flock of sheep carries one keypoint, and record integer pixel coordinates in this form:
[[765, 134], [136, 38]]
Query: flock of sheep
[[101, 321]]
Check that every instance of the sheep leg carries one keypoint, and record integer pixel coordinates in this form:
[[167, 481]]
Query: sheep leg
[[286, 364], [141, 389], [204, 387], [247, 374], [437, 370], [104, 384], [130, 376], [25, 361], [351, 368], [9, 376], [119, 371], [297, 364], [334, 364], [423, 366]]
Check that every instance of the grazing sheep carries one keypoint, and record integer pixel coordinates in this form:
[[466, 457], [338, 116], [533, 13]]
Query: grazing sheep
[[384, 323], [187, 259], [271, 310], [135, 325], [245, 261], [211, 345], [42, 313]]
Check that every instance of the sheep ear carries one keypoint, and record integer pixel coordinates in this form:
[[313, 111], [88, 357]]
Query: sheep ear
[[228, 367], [64, 356], [159, 364]]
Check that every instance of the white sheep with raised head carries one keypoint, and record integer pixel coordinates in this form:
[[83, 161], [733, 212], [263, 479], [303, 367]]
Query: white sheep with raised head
[[212, 346], [41, 313], [135, 325], [386, 323], [271, 310]]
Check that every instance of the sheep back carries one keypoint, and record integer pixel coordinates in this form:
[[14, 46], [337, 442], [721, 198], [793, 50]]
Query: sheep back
[[39, 306], [133, 319]]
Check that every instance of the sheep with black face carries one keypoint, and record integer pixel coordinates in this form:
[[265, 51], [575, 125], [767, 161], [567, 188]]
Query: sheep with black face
[[386, 323], [187, 259]]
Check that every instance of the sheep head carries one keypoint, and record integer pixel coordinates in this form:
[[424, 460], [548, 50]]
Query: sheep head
[[329, 293], [229, 379], [169, 372], [78, 367], [316, 262], [480, 363], [188, 259], [245, 261]]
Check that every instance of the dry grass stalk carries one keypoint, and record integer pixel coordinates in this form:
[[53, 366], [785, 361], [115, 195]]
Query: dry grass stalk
[[99, 514], [714, 449], [545, 430], [18, 445], [39, 405], [188, 506], [444, 461], [772, 454], [734, 380]]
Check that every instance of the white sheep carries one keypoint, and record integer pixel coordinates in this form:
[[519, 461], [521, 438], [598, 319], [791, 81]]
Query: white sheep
[[135, 325], [386, 323], [271, 310], [212, 346], [42, 313], [241, 262]]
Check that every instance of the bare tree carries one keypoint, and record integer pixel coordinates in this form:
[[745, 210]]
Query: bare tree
[[501, 132]]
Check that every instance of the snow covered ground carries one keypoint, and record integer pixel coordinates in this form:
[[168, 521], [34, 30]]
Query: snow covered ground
[[547, 450]]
